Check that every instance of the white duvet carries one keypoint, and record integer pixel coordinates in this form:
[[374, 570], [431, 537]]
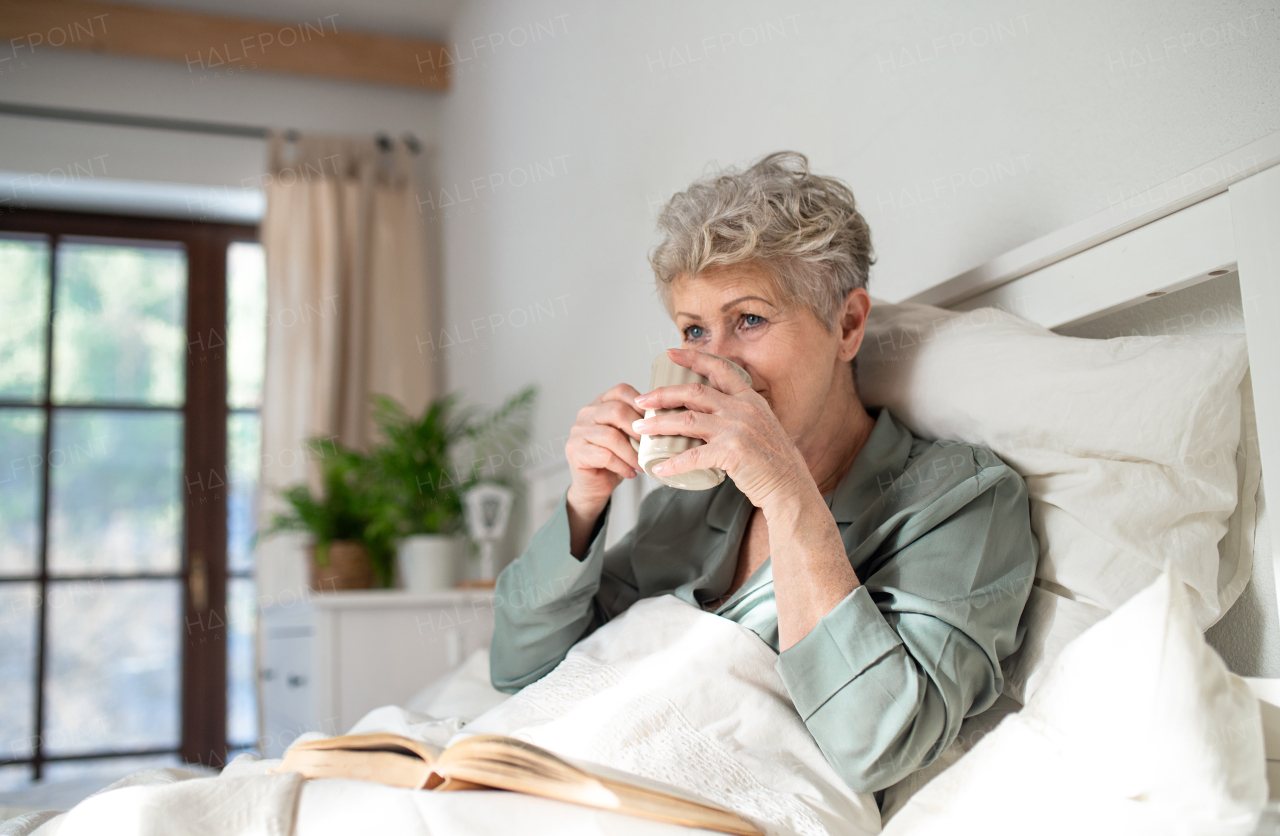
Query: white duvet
[[1139, 728]]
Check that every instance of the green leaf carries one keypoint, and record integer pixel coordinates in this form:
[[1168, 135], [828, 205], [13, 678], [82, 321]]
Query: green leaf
[[411, 482]]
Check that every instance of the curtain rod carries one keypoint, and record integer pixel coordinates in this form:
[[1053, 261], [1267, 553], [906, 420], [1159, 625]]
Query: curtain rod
[[167, 124]]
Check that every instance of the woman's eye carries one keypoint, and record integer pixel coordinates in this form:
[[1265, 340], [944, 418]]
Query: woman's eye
[[693, 332], [752, 320]]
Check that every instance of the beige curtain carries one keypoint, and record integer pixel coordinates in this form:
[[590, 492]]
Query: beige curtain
[[348, 309]]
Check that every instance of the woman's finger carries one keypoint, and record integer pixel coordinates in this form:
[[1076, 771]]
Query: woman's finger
[[618, 414], [696, 396], [612, 439], [602, 458], [622, 393], [687, 423], [715, 369], [696, 458]]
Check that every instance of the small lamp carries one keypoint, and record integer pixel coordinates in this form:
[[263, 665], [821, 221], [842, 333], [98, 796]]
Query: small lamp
[[488, 509]]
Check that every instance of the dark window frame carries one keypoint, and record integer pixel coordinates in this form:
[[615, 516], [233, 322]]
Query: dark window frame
[[203, 566]]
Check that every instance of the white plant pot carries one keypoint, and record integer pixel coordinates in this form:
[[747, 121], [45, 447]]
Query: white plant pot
[[429, 562]]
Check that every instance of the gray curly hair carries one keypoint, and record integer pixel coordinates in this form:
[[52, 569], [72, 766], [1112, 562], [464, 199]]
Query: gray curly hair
[[805, 229]]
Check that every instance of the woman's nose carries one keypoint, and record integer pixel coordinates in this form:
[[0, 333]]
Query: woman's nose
[[724, 347], [717, 345], [722, 340]]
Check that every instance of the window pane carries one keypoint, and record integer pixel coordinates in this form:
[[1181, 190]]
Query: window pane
[[114, 494], [243, 444], [246, 323], [24, 298], [113, 670], [120, 330], [21, 464], [18, 609], [242, 697], [13, 778]]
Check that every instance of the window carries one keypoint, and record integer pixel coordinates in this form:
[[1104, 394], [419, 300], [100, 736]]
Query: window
[[246, 353], [130, 376]]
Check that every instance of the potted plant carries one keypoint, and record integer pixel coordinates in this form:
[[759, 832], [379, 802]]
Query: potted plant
[[424, 465], [348, 550]]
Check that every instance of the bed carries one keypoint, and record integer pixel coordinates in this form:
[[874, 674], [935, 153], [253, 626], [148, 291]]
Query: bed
[[1219, 223]]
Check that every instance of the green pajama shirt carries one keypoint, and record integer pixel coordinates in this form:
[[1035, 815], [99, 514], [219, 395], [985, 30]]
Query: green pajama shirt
[[939, 535]]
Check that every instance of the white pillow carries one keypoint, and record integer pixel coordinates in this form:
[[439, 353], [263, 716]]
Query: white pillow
[[1128, 448], [1138, 728], [465, 692]]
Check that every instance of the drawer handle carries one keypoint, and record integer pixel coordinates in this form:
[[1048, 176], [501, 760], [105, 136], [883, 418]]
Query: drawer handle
[[296, 681], [268, 674]]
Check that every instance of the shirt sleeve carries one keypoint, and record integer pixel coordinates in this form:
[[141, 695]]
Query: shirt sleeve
[[547, 599], [885, 678]]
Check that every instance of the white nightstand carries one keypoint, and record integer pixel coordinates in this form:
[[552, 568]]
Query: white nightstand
[[329, 659]]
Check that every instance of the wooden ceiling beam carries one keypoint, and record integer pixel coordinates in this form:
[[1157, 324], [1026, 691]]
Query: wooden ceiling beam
[[210, 44]]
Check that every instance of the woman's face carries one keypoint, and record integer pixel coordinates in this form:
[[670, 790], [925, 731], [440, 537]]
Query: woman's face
[[799, 366]]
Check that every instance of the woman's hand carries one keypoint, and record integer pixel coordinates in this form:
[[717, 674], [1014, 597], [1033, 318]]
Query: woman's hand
[[600, 456], [811, 573], [743, 437]]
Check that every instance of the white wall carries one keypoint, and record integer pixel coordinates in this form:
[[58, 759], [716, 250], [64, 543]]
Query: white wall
[[965, 130]]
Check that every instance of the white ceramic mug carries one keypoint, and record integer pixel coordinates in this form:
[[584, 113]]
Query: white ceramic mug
[[656, 449]]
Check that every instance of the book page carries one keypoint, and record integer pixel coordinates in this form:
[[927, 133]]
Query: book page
[[393, 768], [510, 764], [378, 741]]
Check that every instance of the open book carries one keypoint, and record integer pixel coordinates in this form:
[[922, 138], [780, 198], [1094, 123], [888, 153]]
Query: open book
[[489, 761]]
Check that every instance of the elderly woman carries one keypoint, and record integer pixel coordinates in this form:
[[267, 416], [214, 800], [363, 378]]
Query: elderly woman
[[888, 571]]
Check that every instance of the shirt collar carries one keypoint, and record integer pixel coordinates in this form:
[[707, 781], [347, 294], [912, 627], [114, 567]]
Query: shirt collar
[[881, 460]]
